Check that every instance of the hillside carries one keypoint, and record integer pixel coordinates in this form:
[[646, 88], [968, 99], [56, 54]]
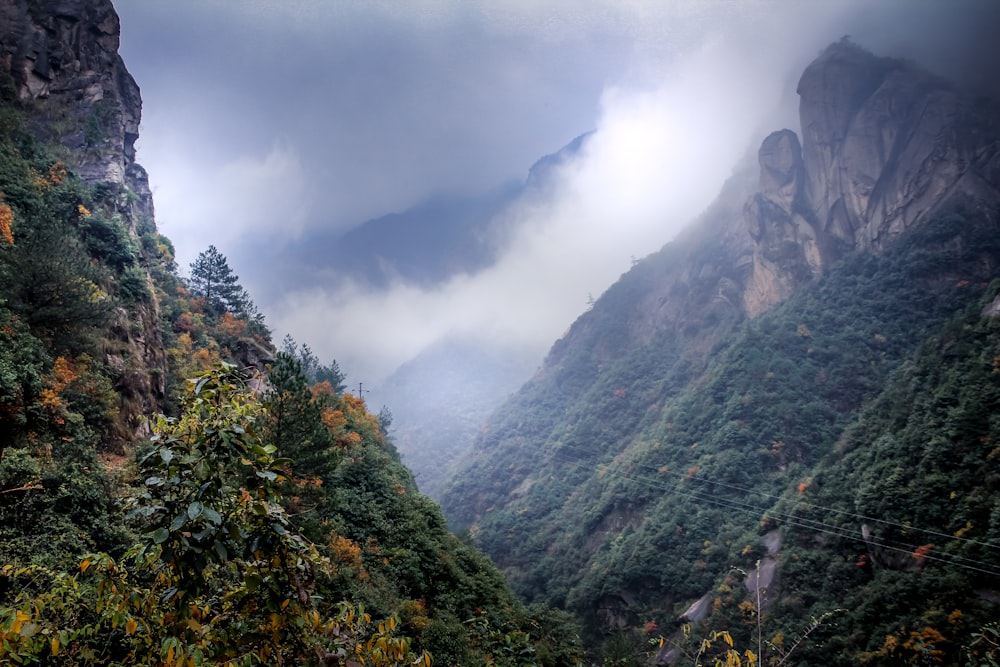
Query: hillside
[[173, 490], [785, 414]]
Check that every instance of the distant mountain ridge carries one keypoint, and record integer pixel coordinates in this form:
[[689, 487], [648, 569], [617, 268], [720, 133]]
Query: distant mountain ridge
[[683, 426], [428, 243]]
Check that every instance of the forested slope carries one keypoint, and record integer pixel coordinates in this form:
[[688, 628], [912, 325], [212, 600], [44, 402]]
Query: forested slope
[[798, 392], [172, 489]]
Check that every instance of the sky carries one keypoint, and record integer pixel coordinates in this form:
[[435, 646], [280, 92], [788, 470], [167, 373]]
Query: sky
[[268, 121]]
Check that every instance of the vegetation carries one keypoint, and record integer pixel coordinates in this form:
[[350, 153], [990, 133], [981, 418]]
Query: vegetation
[[629, 486], [265, 520]]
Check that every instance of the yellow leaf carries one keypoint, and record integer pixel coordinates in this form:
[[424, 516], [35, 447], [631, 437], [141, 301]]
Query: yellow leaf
[[84, 565], [55, 646], [131, 625]]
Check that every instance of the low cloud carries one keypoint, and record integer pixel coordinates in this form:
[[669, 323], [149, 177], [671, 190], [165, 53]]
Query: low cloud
[[263, 196], [317, 115], [658, 157]]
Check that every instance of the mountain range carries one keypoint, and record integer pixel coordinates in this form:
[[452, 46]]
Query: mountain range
[[786, 413]]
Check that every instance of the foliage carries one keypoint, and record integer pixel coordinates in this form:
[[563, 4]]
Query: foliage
[[625, 483], [217, 577], [213, 280]]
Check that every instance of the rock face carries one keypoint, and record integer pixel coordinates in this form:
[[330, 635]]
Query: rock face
[[886, 147], [786, 239], [67, 60], [59, 59]]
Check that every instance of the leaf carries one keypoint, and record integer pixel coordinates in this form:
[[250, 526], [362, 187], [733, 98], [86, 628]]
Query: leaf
[[130, 626], [220, 549], [178, 522], [154, 481], [159, 536], [84, 565], [55, 646], [213, 516], [195, 509]]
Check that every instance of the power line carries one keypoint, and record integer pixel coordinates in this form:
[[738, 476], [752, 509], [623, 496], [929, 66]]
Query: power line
[[793, 520]]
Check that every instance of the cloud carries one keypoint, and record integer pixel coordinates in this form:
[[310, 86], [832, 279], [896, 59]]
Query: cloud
[[265, 196], [265, 120], [658, 158]]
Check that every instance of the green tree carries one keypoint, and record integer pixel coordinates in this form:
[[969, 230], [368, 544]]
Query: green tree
[[219, 575], [213, 279]]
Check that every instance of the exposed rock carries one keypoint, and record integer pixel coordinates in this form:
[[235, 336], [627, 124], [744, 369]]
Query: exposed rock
[[886, 147], [786, 244], [60, 59]]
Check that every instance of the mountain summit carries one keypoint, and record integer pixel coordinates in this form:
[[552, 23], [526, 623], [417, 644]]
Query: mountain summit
[[785, 412]]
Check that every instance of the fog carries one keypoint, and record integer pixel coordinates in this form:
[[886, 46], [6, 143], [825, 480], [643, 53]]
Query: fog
[[269, 121]]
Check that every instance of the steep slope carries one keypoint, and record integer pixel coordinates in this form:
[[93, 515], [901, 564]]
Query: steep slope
[[679, 428], [129, 537], [60, 68]]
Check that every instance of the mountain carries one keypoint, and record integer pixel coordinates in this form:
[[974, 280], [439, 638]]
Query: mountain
[[172, 489], [424, 245], [784, 414], [441, 399]]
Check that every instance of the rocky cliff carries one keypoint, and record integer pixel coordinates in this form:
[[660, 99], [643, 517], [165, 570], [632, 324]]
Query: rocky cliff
[[708, 392], [59, 63], [885, 147]]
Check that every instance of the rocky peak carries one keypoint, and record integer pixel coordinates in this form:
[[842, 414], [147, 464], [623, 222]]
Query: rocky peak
[[59, 62], [62, 56], [886, 147]]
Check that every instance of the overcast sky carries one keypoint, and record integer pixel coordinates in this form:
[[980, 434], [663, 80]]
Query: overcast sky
[[265, 120]]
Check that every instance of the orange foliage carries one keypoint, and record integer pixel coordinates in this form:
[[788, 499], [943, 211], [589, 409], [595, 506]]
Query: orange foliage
[[57, 173], [352, 439], [921, 553], [345, 551], [83, 211], [184, 323], [232, 326], [925, 643], [205, 358], [6, 222], [693, 470], [63, 372], [333, 419], [802, 488], [323, 388]]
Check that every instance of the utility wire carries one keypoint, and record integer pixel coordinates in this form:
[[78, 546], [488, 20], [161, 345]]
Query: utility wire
[[791, 519]]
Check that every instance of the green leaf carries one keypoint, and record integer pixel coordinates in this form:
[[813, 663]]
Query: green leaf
[[213, 516], [220, 549], [159, 536], [154, 481], [178, 522], [195, 509]]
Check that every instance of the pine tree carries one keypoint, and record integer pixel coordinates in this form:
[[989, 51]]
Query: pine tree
[[212, 279]]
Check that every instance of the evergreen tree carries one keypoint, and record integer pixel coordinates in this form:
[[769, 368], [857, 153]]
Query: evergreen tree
[[212, 279]]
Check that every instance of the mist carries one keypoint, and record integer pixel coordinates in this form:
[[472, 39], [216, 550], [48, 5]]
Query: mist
[[347, 113]]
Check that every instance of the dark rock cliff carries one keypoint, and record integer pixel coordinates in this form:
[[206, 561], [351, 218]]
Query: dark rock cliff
[[59, 61]]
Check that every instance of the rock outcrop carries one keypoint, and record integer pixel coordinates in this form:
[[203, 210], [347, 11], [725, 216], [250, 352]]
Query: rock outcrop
[[67, 61], [886, 147], [59, 60]]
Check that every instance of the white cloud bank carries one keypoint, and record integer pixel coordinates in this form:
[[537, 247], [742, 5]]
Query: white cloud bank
[[657, 159]]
